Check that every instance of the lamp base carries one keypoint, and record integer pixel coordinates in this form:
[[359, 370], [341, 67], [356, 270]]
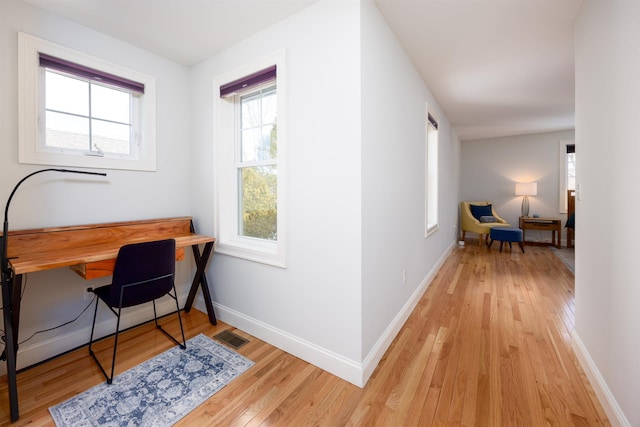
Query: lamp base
[[525, 206]]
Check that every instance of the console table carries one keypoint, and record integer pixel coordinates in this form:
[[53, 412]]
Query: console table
[[90, 251], [550, 224]]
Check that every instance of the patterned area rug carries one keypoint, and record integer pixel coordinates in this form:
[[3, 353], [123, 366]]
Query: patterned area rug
[[159, 392]]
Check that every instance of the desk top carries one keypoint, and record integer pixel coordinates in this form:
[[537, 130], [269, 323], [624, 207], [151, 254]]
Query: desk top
[[78, 246]]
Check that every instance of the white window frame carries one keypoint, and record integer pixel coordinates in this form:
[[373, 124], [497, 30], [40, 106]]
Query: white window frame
[[31, 106], [226, 132], [562, 156], [431, 178]]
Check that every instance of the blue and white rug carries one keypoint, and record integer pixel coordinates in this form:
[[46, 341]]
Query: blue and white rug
[[159, 392]]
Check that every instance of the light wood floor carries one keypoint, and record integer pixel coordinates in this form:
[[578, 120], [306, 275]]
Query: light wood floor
[[487, 345]]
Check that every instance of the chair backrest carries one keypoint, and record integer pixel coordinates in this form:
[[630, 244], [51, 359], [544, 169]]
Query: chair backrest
[[143, 272], [465, 209]]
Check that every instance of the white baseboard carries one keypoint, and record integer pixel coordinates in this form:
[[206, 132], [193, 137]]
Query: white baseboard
[[608, 402], [377, 352], [349, 370]]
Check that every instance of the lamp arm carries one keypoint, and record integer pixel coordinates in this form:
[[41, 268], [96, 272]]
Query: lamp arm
[[6, 276], [5, 227]]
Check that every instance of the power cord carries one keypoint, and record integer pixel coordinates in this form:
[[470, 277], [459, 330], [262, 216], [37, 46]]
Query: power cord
[[3, 356], [61, 325]]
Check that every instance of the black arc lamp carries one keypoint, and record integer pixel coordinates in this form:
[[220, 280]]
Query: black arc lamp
[[11, 348], [6, 271]]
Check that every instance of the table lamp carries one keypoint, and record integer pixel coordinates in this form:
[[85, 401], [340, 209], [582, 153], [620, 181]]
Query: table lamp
[[526, 189]]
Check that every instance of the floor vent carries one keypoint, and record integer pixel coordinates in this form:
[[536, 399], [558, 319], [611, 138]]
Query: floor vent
[[231, 339]]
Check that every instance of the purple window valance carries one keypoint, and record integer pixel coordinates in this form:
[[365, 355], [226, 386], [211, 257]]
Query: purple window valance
[[432, 121], [69, 67], [253, 79]]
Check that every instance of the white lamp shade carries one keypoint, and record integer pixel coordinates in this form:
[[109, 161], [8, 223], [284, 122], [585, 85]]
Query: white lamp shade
[[526, 188]]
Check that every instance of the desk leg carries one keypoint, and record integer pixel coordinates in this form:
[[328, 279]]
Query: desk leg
[[200, 279], [11, 292]]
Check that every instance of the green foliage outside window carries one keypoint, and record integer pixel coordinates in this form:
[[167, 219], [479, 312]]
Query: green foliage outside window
[[259, 197]]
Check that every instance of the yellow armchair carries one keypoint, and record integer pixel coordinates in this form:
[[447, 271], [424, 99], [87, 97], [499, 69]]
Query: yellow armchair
[[474, 225]]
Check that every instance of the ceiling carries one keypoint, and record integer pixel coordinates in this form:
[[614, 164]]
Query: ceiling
[[496, 67]]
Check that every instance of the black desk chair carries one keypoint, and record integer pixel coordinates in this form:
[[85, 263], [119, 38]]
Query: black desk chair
[[143, 272]]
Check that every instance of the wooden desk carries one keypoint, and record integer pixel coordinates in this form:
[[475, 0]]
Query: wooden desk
[[90, 251], [551, 224]]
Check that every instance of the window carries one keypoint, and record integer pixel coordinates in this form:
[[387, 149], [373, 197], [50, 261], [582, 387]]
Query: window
[[79, 111], [86, 117], [567, 171], [250, 155], [257, 166], [431, 176]]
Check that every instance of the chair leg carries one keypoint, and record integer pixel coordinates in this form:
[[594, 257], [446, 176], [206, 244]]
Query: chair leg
[[182, 345], [184, 342], [521, 246], [115, 347], [93, 326], [501, 243], [91, 352]]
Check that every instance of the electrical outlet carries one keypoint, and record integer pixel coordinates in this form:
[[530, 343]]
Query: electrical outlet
[[404, 277], [87, 295]]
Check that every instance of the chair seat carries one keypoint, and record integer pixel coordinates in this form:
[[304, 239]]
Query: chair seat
[[102, 292]]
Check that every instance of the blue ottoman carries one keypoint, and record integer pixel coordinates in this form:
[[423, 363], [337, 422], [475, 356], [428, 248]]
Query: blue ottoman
[[506, 235]]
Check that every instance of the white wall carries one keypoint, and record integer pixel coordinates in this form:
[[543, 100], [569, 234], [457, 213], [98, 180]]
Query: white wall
[[394, 99], [491, 167], [607, 277], [311, 308], [51, 298]]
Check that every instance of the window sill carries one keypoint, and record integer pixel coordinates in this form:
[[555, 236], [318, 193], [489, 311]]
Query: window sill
[[432, 229], [252, 253]]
